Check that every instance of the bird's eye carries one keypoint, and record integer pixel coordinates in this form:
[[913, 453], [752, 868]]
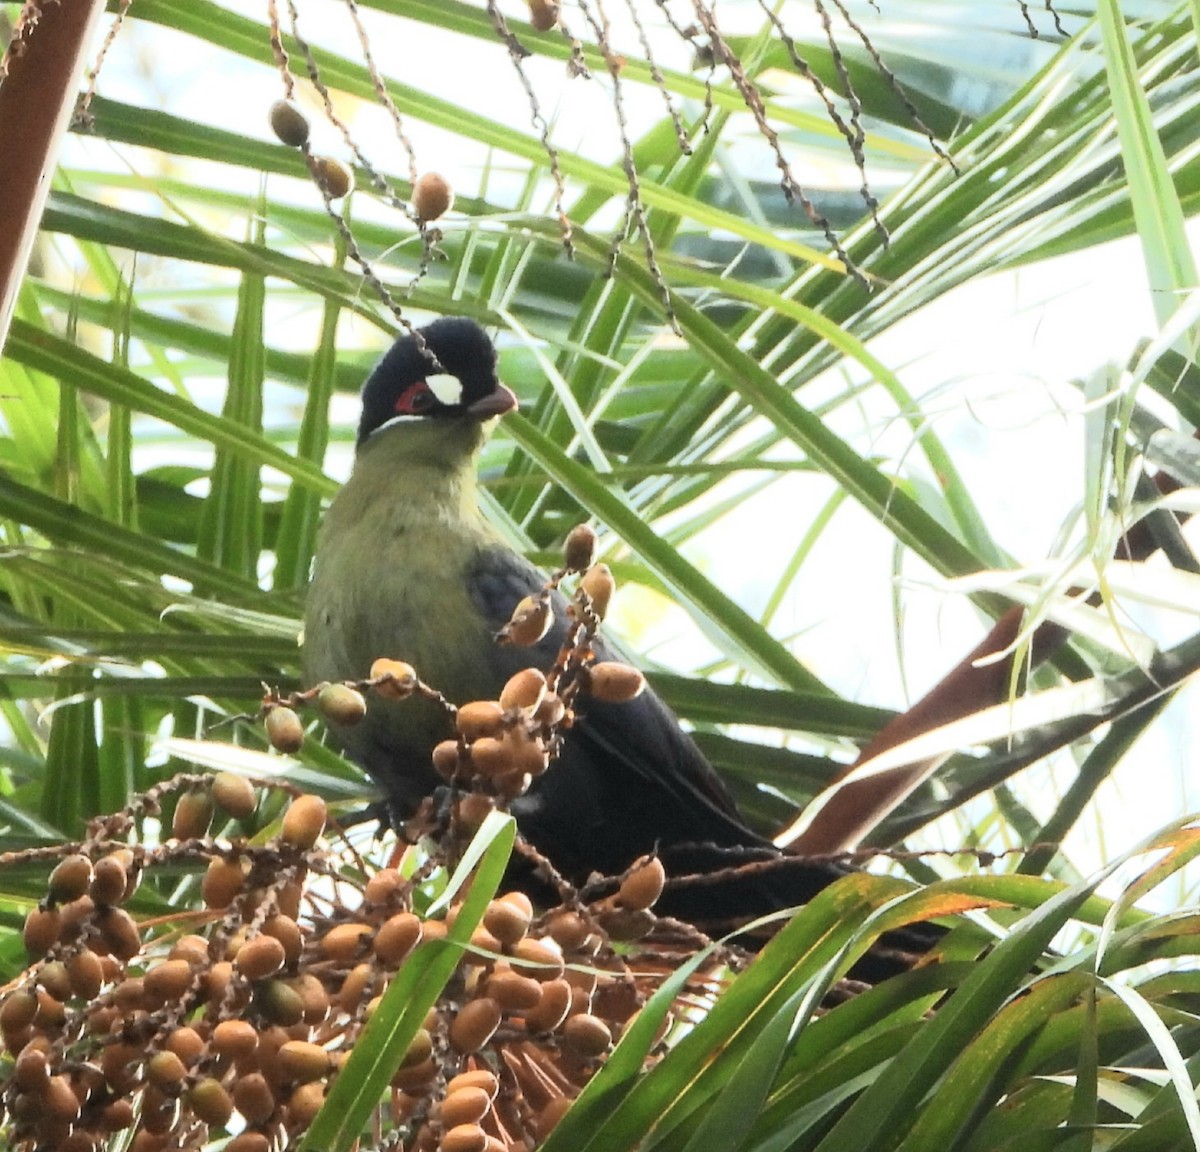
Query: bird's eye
[[415, 400]]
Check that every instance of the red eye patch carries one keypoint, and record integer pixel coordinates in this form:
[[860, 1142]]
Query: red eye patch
[[415, 399]]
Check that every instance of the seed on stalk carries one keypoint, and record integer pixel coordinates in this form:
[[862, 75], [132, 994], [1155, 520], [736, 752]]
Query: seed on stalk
[[397, 680], [235, 794], [475, 1024], [530, 621], [193, 814], [70, 879], [259, 958], [432, 196], [480, 718], [643, 885], [598, 586], [285, 732], [524, 690], [543, 14], [41, 931], [341, 704], [289, 124], [580, 548], [613, 682], [304, 821], [587, 1036], [335, 178]]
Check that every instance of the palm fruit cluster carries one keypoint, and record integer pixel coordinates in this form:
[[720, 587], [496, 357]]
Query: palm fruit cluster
[[236, 1019], [233, 1015], [334, 177], [432, 194]]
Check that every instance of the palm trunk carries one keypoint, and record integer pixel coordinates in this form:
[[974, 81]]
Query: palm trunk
[[37, 97]]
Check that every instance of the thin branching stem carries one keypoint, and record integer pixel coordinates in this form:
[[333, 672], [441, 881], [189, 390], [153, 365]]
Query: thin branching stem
[[381, 90], [634, 207], [517, 53], [753, 100]]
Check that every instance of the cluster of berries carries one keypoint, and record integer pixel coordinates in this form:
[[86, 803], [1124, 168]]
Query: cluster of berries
[[432, 196], [127, 1030]]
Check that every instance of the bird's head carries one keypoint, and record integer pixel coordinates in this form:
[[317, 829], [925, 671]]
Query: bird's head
[[452, 377]]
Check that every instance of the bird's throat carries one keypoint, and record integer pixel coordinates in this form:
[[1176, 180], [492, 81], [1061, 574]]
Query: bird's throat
[[426, 472]]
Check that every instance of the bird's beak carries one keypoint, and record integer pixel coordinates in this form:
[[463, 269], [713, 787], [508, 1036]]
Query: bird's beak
[[496, 403]]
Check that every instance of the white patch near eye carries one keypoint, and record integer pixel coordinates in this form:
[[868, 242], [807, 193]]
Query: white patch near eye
[[447, 388]]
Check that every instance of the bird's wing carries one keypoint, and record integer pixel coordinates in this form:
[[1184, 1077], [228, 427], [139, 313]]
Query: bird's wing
[[629, 777], [630, 780]]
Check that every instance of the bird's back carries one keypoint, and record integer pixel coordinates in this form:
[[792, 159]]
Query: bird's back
[[629, 778]]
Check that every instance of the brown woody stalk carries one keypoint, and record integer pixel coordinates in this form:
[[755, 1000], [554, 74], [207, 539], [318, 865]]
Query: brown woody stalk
[[37, 97]]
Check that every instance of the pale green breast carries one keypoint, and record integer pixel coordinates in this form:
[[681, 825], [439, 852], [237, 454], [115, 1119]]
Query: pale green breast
[[390, 580]]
